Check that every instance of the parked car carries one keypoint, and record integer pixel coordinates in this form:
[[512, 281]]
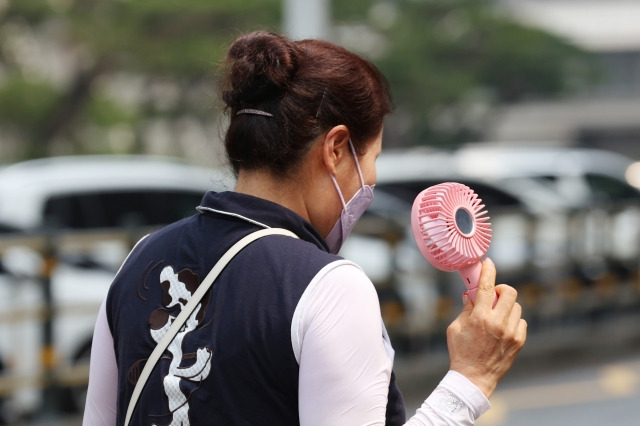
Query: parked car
[[56, 197], [582, 176], [529, 244], [566, 231]]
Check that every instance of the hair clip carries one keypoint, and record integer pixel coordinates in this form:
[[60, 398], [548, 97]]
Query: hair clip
[[254, 112], [324, 93]]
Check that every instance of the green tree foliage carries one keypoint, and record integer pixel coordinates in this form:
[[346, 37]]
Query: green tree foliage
[[165, 50], [450, 61], [88, 76]]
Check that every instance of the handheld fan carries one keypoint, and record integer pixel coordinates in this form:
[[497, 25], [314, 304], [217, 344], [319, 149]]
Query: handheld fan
[[452, 230]]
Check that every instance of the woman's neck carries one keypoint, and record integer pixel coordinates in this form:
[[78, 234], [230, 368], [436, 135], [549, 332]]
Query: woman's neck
[[283, 191]]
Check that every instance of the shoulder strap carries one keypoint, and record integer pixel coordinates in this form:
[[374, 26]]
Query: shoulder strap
[[190, 306]]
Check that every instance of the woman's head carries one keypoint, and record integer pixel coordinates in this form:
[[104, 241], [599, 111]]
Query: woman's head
[[309, 86]]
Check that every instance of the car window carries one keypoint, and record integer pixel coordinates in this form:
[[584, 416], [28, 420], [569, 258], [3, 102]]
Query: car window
[[491, 197], [606, 188], [120, 208], [6, 229]]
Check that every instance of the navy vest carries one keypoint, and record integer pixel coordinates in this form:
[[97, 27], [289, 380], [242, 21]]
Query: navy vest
[[232, 363]]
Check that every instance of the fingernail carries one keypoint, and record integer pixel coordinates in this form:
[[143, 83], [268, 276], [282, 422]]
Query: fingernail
[[465, 297]]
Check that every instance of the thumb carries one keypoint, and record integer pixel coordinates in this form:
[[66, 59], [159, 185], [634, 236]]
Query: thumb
[[467, 306], [486, 285]]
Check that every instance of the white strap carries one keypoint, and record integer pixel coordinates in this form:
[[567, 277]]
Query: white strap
[[190, 306]]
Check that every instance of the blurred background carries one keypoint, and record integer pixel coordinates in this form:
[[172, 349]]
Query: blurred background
[[110, 126]]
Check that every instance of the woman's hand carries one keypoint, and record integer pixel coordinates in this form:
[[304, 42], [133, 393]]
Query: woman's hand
[[483, 341]]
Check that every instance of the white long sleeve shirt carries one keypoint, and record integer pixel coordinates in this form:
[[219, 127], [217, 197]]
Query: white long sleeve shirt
[[345, 362]]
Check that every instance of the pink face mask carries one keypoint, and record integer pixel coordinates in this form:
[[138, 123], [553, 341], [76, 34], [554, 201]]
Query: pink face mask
[[351, 211]]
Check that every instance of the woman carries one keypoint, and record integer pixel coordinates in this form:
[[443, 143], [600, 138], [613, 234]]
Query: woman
[[290, 333]]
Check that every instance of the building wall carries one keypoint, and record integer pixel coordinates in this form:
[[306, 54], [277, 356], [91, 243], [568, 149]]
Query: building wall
[[608, 115]]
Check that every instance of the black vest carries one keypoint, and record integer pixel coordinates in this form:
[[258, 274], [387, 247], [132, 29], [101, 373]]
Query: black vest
[[232, 364]]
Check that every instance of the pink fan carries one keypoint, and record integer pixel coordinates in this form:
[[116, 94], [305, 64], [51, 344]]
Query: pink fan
[[452, 231]]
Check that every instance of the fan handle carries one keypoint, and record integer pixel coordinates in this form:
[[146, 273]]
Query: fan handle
[[471, 277]]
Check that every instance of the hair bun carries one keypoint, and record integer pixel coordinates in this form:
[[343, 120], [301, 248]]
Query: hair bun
[[261, 65]]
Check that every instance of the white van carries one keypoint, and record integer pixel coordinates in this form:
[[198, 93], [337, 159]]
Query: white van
[[59, 196], [554, 212], [597, 184], [416, 299]]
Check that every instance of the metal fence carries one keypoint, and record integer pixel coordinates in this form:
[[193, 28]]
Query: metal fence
[[37, 372], [573, 267], [568, 267]]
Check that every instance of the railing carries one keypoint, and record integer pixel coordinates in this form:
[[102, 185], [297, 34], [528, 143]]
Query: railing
[[44, 252], [569, 267]]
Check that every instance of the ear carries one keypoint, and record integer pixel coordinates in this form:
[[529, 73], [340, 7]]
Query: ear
[[335, 147]]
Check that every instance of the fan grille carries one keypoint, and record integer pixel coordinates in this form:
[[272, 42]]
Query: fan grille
[[439, 238]]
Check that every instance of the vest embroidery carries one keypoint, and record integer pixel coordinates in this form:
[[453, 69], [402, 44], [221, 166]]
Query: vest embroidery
[[178, 289]]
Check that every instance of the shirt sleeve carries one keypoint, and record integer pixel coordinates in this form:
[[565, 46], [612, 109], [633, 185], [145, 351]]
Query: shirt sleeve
[[100, 407], [345, 364], [102, 393], [456, 401]]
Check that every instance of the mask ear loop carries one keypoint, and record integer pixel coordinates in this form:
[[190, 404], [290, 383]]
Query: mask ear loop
[[335, 182], [355, 157]]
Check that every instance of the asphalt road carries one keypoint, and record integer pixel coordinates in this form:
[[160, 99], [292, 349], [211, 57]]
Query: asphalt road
[[603, 393], [581, 374], [596, 392]]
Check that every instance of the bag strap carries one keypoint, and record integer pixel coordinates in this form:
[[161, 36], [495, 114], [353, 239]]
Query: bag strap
[[190, 306]]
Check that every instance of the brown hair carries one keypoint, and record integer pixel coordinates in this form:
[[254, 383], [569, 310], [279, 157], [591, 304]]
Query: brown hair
[[309, 86]]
